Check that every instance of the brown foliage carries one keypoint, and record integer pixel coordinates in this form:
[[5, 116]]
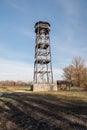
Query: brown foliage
[[14, 83], [76, 73]]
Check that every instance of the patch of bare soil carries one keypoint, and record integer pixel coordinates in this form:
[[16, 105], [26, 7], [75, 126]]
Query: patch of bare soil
[[30, 111]]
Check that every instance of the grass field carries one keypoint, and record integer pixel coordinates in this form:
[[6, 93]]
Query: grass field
[[62, 110], [14, 88]]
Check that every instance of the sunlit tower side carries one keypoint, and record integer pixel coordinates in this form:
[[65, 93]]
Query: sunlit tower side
[[42, 62]]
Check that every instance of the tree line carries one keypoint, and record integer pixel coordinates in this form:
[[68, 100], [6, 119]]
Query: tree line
[[14, 83], [76, 72]]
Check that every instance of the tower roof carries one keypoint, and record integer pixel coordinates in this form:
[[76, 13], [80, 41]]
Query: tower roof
[[41, 22], [42, 25]]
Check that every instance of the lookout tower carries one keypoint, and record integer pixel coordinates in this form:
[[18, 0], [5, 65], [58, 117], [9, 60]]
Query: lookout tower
[[42, 63]]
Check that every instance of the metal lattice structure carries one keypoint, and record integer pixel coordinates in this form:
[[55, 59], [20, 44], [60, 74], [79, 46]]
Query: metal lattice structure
[[42, 64]]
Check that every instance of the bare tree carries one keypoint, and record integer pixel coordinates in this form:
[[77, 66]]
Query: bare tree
[[68, 73], [76, 73]]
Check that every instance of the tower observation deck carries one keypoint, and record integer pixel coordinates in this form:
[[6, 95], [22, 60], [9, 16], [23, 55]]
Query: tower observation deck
[[42, 61]]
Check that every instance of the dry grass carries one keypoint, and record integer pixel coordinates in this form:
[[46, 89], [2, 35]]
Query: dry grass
[[63, 110], [14, 88]]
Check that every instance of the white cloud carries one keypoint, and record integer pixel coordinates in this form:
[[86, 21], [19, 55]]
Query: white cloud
[[6, 52], [57, 74], [10, 70], [28, 33], [20, 6], [70, 6]]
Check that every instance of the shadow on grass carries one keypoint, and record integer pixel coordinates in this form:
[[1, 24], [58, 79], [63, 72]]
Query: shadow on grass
[[22, 111]]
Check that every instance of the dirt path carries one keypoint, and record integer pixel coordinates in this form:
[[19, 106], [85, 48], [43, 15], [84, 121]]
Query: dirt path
[[30, 111]]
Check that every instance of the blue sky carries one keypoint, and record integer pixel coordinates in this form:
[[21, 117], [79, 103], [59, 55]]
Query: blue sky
[[68, 19]]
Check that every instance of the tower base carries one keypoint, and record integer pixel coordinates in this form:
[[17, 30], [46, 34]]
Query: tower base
[[44, 87]]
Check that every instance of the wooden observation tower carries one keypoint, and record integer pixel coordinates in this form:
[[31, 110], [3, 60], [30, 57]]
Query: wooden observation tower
[[42, 63]]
